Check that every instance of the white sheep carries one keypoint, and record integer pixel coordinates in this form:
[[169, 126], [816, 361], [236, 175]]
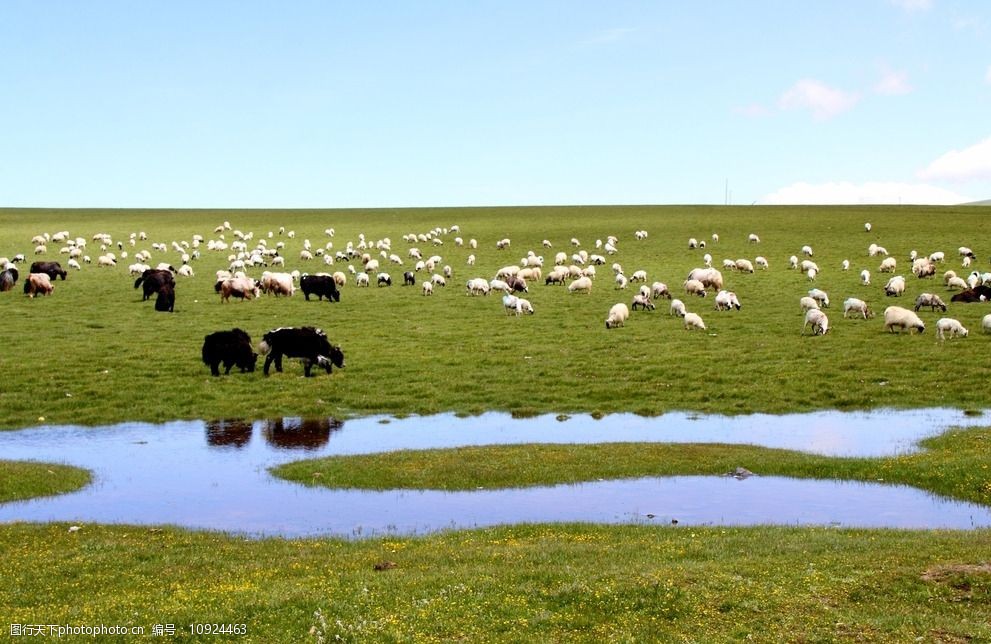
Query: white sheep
[[761, 262], [693, 321], [643, 301], [477, 286], [581, 285], [694, 287], [846, 264], [75, 264], [428, 288], [896, 316], [938, 256], [865, 277], [659, 289], [888, 265], [950, 326], [744, 266], [858, 306], [618, 315], [895, 286], [955, 282], [808, 264], [753, 238], [707, 260], [793, 262], [185, 270], [726, 300], [621, 281], [818, 320], [509, 304], [361, 279], [867, 227], [931, 300], [715, 238], [639, 276], [677, 308], [807, 304], [986, 323], [819, 296], [807, 251], [438, 280]]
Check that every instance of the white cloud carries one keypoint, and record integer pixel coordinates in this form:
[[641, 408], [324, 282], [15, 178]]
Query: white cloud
[[961, 165], [893, 83], [912, 5], [823, 101], [871, 192], [754, 110]]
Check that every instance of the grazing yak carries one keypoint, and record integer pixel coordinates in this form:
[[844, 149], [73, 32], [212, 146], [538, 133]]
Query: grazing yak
[[980, 293], [165, 301], [320, 285], [153, 280], [232, 348], [8, 277], [307, 343], [51, 269], [38, 283]]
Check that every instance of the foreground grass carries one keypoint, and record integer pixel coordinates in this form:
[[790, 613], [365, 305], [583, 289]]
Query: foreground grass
[[526, 583], [954, 464], [97, 350], [21, 480]]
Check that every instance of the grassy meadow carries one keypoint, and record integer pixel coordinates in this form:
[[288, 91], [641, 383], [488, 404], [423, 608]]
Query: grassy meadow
[[93, 353], [101, 355]]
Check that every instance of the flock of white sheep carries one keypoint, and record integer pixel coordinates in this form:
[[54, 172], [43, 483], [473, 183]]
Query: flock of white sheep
[[577, 270]]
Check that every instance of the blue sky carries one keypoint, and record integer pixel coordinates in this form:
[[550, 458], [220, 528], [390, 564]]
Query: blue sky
[[451, 103]]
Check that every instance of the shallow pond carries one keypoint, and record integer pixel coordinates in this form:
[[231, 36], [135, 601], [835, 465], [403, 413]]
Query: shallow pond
[[214, 475]]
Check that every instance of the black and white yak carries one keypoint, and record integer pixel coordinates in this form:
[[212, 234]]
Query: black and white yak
[[306, 343], [8, 277]]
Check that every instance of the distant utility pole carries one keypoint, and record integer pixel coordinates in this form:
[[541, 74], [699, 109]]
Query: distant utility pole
[[726, 194]]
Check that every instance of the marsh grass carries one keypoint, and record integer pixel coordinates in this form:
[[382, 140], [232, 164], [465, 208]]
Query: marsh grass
[[954, 464], [579, 583], [101, 355], [21, 480]]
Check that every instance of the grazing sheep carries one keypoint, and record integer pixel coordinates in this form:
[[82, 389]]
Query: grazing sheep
[[753, 238], [523, 306], [922, 268], [693, 321], [621, 281], [807, 303], [728, 264], [807, 251], [951, 326], [618, 315], [818, 320], [846, 264], [744, 266], [639, 276], [726, 300], [896, 316], [438, 280], [74, 264], [643, 302], [659, 289], [477, 286], [865, 277], [692, 242], [761, 262], [811, 274], [888, 265], [931, 300], [428, 288], [384, 279], [677, 308], [361, 279], [820, 297], [793, 262], [715, 238], [852, 304], [707, 260], [966, 252], [867, 227], [938, 256], [694, 287], [986, 323], [955, 282], [710, 277], [509, 304], [809, 265], [895, 286], [581, 285]]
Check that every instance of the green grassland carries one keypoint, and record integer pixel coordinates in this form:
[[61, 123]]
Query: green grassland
[[21, 480], [93, 353], [101, 355]]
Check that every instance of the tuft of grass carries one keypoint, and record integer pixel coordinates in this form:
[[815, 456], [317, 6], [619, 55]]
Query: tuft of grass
[[96, 348], [20, 480]]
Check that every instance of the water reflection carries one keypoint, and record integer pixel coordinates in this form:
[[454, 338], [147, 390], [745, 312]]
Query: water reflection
[[300, 433], [214, 475], [228, 433]]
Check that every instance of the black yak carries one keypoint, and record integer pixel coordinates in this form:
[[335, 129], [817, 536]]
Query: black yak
[[232, 348], [321, 286]]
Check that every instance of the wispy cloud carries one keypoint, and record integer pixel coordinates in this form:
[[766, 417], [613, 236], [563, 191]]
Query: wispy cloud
[[607, 36], [823, 101], [970, 163], [892, 83], [754, 110], [912, 5], [871, 192]]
